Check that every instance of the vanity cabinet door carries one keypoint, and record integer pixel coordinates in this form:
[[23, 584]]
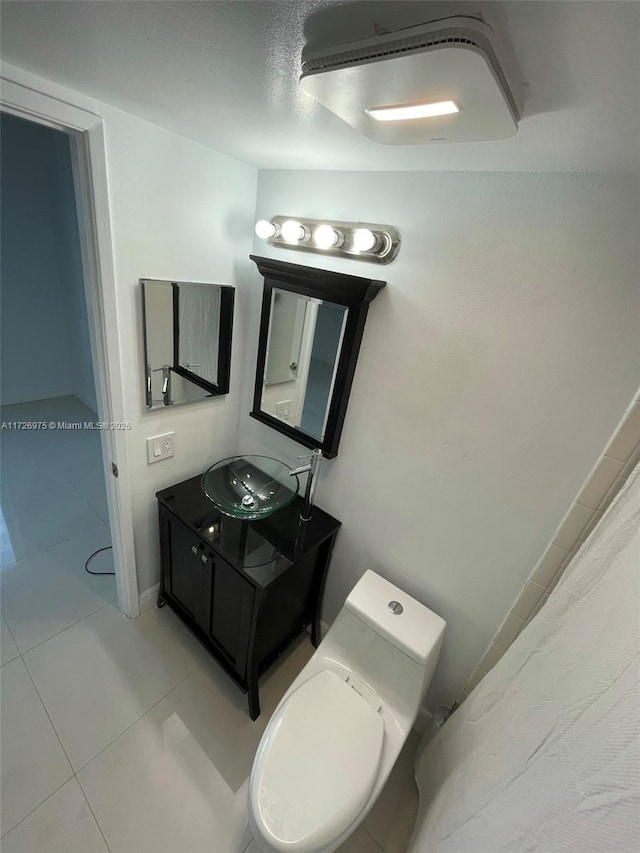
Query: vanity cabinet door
[[183, 567], [228, 609]]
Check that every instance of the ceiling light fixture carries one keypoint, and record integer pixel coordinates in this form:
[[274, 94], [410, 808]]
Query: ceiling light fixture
[[420, 72], [358, 240], [406, 112]]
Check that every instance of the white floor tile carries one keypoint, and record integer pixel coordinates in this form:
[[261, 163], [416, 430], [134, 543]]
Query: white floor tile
[[178, 778], [29, 465], [27, 450], [157, 789], [360, 842], [77, 450], [54, 468], [46, 593], [39, 521], [7, 553], [391, 820], [49, 409], [62, 824], [99, 676], [8, 648], [33, 762], [89, 482]]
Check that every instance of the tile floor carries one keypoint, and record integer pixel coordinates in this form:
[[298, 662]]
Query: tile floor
[[119, 735]]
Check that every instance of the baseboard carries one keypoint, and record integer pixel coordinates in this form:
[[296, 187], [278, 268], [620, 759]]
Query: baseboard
[[89, 402], [148, 598]]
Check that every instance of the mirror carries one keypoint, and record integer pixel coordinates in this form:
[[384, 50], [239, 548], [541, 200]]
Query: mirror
[[187, 341], [310, 332], [303, 351]]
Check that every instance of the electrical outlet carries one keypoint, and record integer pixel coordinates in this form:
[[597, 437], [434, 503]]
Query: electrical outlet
[[282, 409], [160, 447]]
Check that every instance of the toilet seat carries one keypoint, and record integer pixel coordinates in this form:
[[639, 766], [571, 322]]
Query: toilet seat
[[317, 764]]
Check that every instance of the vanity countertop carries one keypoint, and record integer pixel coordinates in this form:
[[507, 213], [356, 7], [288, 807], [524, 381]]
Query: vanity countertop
[[260, 549]]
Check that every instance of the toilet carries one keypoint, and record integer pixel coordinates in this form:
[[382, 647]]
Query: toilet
[[332, 741]]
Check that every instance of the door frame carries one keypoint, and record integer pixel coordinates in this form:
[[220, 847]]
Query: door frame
[[21, 95]]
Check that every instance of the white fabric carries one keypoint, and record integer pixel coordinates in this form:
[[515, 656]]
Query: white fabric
[[544, 755]]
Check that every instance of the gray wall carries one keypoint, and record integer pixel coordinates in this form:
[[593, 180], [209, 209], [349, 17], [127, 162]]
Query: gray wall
[[495, 366], [44, 329]]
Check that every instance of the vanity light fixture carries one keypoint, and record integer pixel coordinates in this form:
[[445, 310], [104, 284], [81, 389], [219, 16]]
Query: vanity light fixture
[[358, 240]]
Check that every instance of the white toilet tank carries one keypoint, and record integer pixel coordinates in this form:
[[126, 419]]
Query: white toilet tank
[[396, 616], [391, 640]]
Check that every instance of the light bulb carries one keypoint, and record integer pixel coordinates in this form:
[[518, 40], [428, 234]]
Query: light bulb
[[292, 231], [326, 237], [265, 229], [364, 240]]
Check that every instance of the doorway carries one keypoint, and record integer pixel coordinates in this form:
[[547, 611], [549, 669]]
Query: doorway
[[56, 558], [27, 98]]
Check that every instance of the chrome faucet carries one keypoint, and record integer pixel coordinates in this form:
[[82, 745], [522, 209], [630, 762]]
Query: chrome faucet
[[166, 384], [312, 468]]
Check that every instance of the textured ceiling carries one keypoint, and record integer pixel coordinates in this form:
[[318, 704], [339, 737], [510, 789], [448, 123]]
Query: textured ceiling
[[226, 74]]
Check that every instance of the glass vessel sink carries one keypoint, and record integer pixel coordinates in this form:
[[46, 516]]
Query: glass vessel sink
[[250, 487]]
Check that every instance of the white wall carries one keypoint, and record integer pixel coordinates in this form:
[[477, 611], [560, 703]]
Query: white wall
[[70, 263], [494, 367], [45, 333], [180, 212], [36, 352]]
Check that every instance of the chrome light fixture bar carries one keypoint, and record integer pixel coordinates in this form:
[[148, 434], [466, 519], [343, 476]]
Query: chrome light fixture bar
[[361, 241]]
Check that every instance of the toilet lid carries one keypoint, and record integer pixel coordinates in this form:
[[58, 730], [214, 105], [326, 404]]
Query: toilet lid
[[317, 764]]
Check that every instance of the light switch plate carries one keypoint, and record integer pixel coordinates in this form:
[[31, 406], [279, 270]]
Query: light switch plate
[[160, 447]]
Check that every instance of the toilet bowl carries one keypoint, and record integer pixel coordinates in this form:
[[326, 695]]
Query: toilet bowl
[[332, 741]]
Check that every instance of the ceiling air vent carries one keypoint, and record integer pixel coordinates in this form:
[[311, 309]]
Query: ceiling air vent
[[438, 82]]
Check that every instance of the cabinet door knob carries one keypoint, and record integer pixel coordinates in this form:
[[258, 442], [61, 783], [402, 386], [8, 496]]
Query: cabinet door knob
[[204, 558], [194, 550]]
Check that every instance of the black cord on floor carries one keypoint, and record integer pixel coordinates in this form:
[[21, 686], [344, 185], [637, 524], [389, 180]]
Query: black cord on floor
[[86, 565]]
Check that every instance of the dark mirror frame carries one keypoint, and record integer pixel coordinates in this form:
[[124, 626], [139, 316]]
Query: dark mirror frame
[[352, 291], [224, 340], [225, 336]]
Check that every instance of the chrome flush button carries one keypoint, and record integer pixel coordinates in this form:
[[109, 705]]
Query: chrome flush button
[[395, 607]]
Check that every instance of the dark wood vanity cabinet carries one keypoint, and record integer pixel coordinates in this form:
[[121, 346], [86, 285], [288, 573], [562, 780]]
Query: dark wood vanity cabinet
[[246, 589]]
